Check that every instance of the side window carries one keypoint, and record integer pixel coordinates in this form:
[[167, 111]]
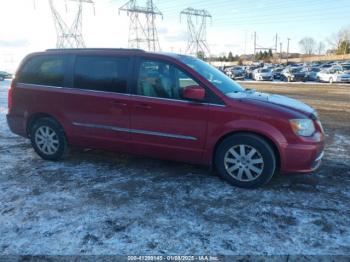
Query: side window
[[101, 73], [44, 70], [161, 79]]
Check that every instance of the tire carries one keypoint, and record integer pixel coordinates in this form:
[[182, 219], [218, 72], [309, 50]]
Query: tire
[[331, 80], [47, 131], [235, 170], [288, 79]]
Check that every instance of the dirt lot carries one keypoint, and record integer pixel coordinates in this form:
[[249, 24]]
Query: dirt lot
[[103, 203]]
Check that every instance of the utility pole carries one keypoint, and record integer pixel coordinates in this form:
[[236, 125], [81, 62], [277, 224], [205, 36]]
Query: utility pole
[[197, 32], [254, 44], [142, 28], [68, 36], [280, 52], [288, 39], [276, 40]]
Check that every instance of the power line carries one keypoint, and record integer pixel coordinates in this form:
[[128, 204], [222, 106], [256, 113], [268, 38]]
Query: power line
[[275, 6], [142, 28]]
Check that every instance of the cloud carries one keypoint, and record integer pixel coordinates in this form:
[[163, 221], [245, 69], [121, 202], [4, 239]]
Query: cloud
[[15, 43]]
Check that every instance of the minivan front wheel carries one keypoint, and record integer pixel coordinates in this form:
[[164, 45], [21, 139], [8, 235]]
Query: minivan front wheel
[[48, 139], [245, 160]]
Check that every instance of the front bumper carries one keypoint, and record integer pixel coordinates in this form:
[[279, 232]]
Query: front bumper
[[344, 80], [298, 78], [317, 162], [265, 78], [304, 157]]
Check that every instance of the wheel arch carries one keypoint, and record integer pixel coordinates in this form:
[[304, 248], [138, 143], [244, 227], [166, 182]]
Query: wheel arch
[[262, 136], [35, 117]]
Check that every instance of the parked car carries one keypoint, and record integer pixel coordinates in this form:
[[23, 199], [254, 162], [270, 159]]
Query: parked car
[[262, 74], [236, 73], [345, 67], [4, 75], [334, 75], [249, 71], [277, 73], [312, 73], [167, 106], [293, 74], [327, 65]]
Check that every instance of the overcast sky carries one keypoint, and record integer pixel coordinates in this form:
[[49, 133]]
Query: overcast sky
[[27, 27]]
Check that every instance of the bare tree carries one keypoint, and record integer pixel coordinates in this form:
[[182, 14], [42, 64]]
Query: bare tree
[[308, 45], [321, 48], [339, 42]]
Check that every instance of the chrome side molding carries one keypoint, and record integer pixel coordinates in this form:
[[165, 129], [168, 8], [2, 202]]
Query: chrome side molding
[[135, 131]]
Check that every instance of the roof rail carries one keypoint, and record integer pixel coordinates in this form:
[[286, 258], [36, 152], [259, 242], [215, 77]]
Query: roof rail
[[95, 49]]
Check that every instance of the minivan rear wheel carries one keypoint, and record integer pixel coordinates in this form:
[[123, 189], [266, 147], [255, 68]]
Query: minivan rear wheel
[[245, 160], [48, 139]]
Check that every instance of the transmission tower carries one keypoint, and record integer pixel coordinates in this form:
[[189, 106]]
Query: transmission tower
[[197, 30], [260, 48], [69, 36], [142, 28]]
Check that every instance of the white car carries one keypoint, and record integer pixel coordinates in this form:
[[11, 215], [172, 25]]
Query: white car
[[262, 74], [334, 75]]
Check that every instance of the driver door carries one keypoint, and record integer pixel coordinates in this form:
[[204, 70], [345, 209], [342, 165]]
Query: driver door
[[163, 124]]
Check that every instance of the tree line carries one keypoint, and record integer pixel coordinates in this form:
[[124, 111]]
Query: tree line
[[339, 44]]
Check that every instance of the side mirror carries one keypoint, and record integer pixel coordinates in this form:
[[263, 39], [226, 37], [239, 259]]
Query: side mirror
[[193, 92]]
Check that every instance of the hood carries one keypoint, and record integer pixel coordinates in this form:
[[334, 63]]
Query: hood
[[265, 74], [298, 73], [274, 99]]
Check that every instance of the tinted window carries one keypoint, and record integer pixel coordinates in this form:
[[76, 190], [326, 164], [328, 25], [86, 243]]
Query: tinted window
[[101, 73], [160, 79], [44, 70]]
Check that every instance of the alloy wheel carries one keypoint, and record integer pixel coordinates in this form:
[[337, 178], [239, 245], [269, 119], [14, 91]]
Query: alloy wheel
[[244, 163], [46, 140]]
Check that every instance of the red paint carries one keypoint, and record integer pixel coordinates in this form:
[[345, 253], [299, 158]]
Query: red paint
[[194, 93], [207, 123]]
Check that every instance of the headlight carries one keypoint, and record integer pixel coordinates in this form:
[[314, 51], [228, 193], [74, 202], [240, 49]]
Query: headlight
[[302, 127]]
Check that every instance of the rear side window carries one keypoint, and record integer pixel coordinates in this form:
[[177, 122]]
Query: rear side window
[[101, 73], [44, 70]]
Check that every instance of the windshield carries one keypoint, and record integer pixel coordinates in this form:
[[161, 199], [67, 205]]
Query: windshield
[[216, 77], [296, 70], [265, 71]]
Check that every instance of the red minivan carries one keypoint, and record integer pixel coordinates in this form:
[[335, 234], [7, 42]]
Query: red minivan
[[161, 105]]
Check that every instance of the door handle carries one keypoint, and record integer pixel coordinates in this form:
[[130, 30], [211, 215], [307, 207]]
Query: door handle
[[143, 106], [118, 103]]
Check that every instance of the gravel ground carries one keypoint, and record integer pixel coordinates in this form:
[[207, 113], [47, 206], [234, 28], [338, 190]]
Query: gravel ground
[[96, 202]]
